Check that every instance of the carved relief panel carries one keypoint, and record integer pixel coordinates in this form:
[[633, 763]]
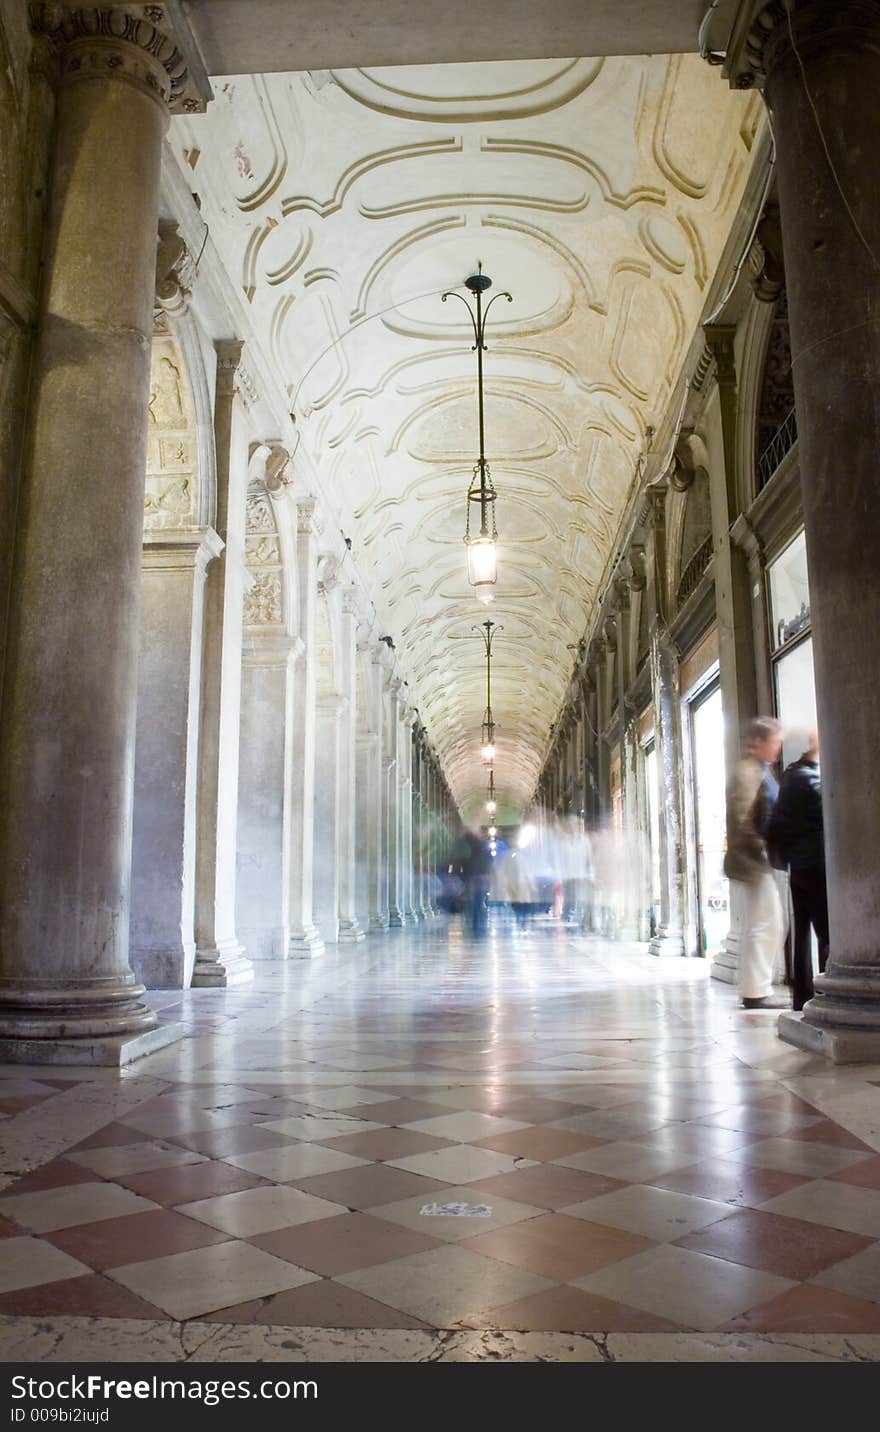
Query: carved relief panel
[[172, 463]]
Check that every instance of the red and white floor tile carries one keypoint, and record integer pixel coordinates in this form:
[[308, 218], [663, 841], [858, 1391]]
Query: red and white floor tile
[[534, 1145]]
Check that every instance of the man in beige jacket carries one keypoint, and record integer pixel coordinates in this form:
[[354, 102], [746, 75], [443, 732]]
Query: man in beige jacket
[[751, 796]]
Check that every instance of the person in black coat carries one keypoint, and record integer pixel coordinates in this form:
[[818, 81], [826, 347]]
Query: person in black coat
[[796, 837]]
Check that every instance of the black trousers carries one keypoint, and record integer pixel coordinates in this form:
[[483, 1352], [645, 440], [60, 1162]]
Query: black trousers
[[809, 902]]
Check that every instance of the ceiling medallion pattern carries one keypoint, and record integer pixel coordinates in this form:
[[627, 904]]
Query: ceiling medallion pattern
[[344, 204]]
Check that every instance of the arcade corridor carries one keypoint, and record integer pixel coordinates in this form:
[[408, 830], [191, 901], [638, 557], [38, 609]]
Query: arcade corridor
[[630, 1155]]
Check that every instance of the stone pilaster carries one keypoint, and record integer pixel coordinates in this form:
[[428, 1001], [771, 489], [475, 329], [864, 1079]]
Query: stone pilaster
[[330, 713], [304, 936], [407, 843], [377, 878], [220, 957], [67, 992], [162, 924], [269, 675], [392, 807], [347, 674]]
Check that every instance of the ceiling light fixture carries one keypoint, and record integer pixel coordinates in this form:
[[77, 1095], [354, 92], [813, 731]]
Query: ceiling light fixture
[[487, 632], [491, 805], [481, 547]]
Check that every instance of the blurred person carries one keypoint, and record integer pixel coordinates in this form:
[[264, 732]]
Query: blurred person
[[477, 872], [796, 832], [515, 884], [752, 792], [576, 868]]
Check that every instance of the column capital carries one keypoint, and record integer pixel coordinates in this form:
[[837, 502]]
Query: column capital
[[307, 517], [188, 547], [766, 32], [229, 351], [140, 45], [719, 340]]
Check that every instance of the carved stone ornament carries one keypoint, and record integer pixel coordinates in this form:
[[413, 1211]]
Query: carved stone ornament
[[638, 579], [279, 478], [262, 605], [763, 34], [719, 337], [328, 573], [768, 278], [306, 517], [259, 516], [123, 43], [175, 271]]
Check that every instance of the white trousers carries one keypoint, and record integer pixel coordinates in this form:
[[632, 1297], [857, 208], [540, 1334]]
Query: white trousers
[[763, 934]]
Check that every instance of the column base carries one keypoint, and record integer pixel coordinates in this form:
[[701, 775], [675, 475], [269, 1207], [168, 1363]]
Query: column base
[[378, 924], [725, 965], [105, 1008], [838, 1046], [396, 919], [222, 967], [428, 913], [842, 1020], [349, 932], [409, 917], [306, 941], [113, 1051], [667, 943]]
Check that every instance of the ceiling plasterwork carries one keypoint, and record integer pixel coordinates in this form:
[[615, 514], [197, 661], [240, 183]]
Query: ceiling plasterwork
[[600, 193]]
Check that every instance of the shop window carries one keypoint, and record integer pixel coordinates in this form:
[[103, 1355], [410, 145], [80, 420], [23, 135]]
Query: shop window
[[791, 645]]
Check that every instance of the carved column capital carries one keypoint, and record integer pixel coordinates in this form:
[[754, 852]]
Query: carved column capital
[[229, 351], [719, 339], [306, 517], [638, 578], [135, 44], [762, 34]]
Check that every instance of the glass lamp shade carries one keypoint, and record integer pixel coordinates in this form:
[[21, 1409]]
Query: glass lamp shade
[[482, 567], [491, 807], [488, 753], [493, 831]]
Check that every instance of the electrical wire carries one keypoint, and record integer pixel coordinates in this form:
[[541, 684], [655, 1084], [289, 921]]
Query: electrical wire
[[368, 317], [712, 57]]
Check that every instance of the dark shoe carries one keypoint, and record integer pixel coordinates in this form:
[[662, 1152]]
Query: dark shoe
[[766, 1002]]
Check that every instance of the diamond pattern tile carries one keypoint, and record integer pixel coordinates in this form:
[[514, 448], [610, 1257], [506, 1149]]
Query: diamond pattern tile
[[619, 1161]]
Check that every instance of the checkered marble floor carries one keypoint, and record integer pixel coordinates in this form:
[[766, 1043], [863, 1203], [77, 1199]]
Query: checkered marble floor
[[538, 1132]]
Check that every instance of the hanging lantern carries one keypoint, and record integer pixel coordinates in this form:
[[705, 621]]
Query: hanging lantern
[[480, 540]]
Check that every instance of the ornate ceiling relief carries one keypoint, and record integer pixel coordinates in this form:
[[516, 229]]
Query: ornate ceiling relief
[[172, 460], [599, 193]]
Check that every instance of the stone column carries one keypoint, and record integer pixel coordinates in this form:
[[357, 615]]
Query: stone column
[[304, 937], [821, 68], [736, 660], [392, 807], [604, 654], [269, 678], [220, 957], [162, 927], [67, 993], [330, 712], [377, 880], [347, 676], [631, 876], [668, 745], [407, 863]]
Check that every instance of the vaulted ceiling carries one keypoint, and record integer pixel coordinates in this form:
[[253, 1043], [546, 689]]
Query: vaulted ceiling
[[599, 193]]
